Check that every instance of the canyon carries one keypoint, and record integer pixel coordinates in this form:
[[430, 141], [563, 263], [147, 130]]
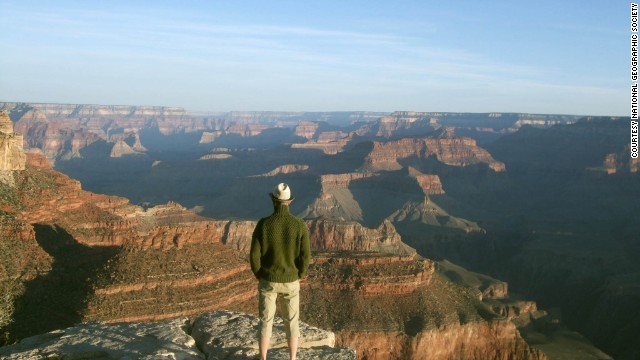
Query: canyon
[[390, 202], [134, 265]]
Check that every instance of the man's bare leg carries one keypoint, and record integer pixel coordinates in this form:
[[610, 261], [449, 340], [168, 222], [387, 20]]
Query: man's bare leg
[[264, 346], [293, 347]]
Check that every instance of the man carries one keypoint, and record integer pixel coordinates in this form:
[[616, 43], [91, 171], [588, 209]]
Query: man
[[280, 254]]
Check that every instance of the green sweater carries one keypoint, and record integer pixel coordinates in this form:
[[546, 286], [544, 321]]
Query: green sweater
[[280, 250]]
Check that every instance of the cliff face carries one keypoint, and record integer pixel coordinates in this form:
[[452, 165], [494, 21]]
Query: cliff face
[[454, 152], [306, 129], [246, 129], [329, 142], [286, 169], [430, 184], [496, 340], [334, 235], [336, 200], [368, 275], [129, 263], [418, 123], [619, 162], [11, 155], [127, 144], [398, 121], [60, 131], [89, 111]]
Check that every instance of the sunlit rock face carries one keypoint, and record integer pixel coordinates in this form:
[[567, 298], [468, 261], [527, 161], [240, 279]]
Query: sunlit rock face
[[450, 151], [12, 156]]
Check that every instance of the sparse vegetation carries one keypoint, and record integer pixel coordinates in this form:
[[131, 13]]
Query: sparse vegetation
[[9, 290], [8, 195]]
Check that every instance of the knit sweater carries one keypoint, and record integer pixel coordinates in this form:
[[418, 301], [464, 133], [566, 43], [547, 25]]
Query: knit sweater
[[280, 249]]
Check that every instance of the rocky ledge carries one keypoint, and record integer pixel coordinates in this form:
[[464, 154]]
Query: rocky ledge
[[213, 335]]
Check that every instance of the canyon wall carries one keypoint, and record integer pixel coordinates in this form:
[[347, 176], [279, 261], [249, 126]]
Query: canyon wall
[[451, 151], [418, 123], [478, 341], [11, 155]]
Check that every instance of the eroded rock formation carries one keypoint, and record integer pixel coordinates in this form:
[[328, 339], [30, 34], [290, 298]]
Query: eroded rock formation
[[306, 129], [420, 123], [336, 199], [430, 184], [11, 154], [336, 235], [127, 144], [451, 151], [286, 169], [616, 162], [246, 129], [215, 156], [329, 142], [210, 136]]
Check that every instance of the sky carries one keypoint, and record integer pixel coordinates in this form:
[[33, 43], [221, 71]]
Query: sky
[[559, 57]]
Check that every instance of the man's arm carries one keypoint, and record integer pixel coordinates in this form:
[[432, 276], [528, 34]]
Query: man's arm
[[305, 252], [256, 249]]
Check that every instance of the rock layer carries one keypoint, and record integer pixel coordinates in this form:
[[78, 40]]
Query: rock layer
[[451, 151], [11, 154]]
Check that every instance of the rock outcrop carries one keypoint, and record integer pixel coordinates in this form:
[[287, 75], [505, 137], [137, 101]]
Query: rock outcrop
[[404, 120], [286, 169], [617, 162], [336, 199], [414, 214], [450, 151], [306, 129], [210, 136], [330, 142], [336, 235], [246, 129], [430, 184], [367, 274], [341, 181], [12, 156], [224, 335], [214, 335], [127, 144], [215, 156], [482, 340]]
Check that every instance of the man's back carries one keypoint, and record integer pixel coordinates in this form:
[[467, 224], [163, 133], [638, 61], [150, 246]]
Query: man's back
[[280, 247], [280, 255]]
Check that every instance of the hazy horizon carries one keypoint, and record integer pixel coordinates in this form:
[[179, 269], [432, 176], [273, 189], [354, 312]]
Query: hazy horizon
[[544, 57]]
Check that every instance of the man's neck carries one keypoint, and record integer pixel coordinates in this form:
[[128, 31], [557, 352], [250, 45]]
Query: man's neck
[[280, 208]]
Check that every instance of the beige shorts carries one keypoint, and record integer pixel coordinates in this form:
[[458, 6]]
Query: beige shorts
[[267, 294]]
